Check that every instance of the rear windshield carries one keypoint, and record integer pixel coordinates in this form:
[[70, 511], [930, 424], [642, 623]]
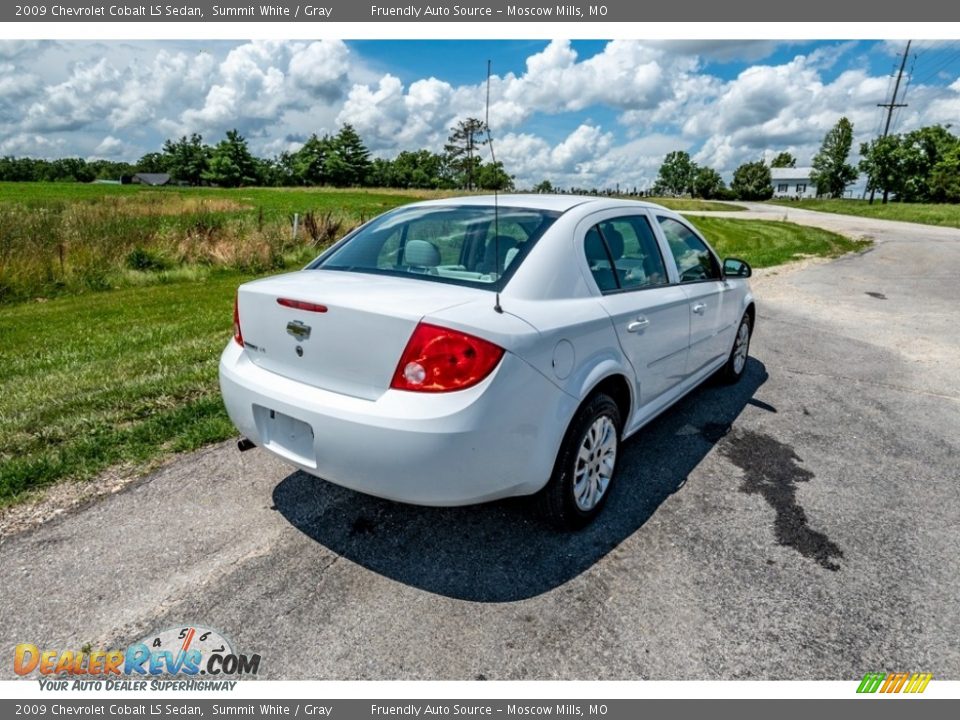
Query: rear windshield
[[461, 244]]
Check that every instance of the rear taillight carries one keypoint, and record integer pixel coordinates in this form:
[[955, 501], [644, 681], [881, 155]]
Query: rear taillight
[[437, 359], [237, 335]]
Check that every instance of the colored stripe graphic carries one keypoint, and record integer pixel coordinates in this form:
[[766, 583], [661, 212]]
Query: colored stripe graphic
[[913, 683], [918, 683], [870, 683]]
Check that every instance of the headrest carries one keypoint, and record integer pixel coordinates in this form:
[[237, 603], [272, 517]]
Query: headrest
[[614, 240], [421, 253], [501, 245], [593, 247]]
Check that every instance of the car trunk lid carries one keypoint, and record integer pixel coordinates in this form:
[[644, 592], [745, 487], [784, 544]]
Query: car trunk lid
[[335, 330]]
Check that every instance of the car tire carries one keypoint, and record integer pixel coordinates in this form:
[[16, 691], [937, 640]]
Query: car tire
[[736, 363], [585, 467]]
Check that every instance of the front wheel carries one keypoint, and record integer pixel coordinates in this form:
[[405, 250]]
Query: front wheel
[[732, 371], [585, 466]]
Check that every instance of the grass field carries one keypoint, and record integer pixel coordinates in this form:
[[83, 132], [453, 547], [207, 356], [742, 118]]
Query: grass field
[[95, 378], [63, 239], [924, 213], [684, 204], [765, 243], [116, 378]]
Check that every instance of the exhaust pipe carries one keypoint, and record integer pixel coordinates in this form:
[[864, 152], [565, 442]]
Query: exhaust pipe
[[244, 444]]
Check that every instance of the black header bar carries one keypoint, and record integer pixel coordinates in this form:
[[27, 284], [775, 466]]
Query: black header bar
[[390, 11]]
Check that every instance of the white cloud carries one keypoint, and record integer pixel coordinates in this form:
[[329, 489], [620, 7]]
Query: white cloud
[[10, 49], [111, 148], [586, 157], [597, 120], [32, 145], [87, 96], [259, 81]]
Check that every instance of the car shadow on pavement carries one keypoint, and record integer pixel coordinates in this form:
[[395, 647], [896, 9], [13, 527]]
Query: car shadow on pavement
[[497, 552]]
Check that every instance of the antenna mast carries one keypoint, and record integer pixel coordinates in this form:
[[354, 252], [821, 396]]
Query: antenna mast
[[496, 200]]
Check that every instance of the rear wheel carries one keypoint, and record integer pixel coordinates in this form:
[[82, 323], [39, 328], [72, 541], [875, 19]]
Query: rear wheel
[[585, 466], [737, 362]]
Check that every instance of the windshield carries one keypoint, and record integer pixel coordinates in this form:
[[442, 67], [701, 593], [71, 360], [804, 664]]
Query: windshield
[[461, 244]]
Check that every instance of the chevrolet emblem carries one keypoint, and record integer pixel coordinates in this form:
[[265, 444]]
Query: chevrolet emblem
[[299, 330]]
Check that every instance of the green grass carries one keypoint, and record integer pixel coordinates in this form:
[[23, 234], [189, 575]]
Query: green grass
[[275, 202], [923, 213], [63, 239], [683, 204], [117, 378], [764, 243], [127, 376]]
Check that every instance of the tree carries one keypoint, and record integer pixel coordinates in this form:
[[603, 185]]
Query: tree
[[831, 172], [544, 186], [881, 160], [751, 181], [707, 183], [186, 159], [152, 163], [381, 173], [110, 170], [231, 164], [420, 169], [278, 171], [310, 161], [461, 149], [945, 177], [676, 173], [492, 176], [784, 160], [922, 150], [348, 160]]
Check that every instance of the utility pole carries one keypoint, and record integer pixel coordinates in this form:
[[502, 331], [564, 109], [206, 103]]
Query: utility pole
[[893, 102]]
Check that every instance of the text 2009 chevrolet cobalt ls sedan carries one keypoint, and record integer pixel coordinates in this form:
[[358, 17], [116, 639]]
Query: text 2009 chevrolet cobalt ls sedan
[[457, 351]]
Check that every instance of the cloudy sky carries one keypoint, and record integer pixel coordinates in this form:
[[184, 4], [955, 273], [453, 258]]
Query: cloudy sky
[[583, 113]]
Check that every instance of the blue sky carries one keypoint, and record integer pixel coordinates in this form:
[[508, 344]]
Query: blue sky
[[580, 113]]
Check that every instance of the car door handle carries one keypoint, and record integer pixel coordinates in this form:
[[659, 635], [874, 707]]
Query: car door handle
[[699, 308], [639, 324]]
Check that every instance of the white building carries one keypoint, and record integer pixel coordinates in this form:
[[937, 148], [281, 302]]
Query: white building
[[792, 183]]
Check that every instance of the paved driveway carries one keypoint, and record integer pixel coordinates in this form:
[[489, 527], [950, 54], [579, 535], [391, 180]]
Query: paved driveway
[[803, 524]]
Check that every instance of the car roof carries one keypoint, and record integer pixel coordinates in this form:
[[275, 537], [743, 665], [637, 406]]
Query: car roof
[[537, 201]]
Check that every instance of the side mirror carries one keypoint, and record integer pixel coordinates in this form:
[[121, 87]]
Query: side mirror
[[735, 267]]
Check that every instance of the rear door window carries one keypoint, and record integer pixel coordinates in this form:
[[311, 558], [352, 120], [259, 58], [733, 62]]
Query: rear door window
[[623, 254]]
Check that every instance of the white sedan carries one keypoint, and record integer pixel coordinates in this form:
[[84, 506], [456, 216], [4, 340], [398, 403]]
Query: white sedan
[[457, 351]]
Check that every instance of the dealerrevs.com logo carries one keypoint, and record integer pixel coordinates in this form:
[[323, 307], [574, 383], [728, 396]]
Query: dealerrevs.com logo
[[190, 657]]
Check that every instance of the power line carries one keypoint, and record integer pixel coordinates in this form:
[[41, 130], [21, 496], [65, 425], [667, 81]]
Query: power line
[[896, 89], [903, 95], [939, 67], [893, 100]]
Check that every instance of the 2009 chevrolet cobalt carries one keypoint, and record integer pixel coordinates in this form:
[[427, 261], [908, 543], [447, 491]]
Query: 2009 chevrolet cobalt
[[457, 351]]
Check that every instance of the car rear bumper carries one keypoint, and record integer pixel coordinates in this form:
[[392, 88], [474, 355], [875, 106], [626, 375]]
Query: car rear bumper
[[494, 440]]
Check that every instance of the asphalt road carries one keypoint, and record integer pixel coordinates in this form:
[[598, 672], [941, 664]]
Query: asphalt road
[[804, 524]]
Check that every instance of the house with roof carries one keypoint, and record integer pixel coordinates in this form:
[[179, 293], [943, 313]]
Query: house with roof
[[792, 182], [155, 179]]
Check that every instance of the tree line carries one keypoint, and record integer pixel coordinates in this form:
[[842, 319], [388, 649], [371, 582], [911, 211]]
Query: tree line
[[920, 166], [340, 160]]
